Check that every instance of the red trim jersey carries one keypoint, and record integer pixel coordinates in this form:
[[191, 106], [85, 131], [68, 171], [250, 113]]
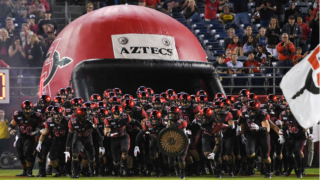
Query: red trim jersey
[[138, 113], [118, 126], [188, 114], [180, 124], [208, 129], [248, 120], [293, 127], [154, 130], [83, 129], [27, 125], [57, 130], [227, 132]]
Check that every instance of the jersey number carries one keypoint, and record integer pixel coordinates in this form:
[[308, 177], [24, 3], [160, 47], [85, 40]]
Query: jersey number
[[293, 129], [26, 131]]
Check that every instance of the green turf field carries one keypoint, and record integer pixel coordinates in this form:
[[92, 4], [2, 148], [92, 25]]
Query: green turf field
[[312, 173]]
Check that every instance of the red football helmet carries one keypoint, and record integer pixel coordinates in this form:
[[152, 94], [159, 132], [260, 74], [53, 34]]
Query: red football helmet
[[48, 111], [185, 98], [110, 95], [56, 111], [158, 102], [118, 92], [271, 98], [116, 111], [89, 105], [127, 96], [207, 112], [202, 99], [27, 106], [128, 105], [95, 98], [115, 101], [62, 92], [150, 91], [143, 98], [59, 100], [253, 97], [218, 107], [81, 113], [106, 92], [253, 106], [44, 99], [141, 89], [201, 92], [226, 101], [69, 90], [101, 104], [244, 93], [219, 95], [231, 98], [165, 96], [170, 92], [155, 117], [102, 112], [155, 114], [76, 102], [174, 113], [194, 99]]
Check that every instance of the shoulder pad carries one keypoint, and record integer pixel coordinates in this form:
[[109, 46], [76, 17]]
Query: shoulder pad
[[16, 113]]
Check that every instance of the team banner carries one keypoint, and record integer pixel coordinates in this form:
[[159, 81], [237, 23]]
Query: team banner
[[144, 46], [301, 88]]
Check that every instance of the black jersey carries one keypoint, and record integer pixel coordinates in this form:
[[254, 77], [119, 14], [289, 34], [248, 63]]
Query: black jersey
[[57, 130], [138, 113], [118, 126], [225, 118], [83, 129], [133, 127], [100, 125], [188, 113], [247, 119], [154, 130], [67, 107], [292, 125], [208, 128], [27, 126]]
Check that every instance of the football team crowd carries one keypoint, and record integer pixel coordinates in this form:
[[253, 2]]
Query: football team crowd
[[117, 134]]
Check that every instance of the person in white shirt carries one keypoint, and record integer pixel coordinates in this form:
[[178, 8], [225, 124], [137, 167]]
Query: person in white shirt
[[234, 63]]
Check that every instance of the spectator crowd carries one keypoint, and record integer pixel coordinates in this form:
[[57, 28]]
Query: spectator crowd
[[26, 33]]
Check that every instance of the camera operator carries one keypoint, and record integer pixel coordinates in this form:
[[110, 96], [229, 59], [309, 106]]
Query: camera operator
[[285, 48]]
